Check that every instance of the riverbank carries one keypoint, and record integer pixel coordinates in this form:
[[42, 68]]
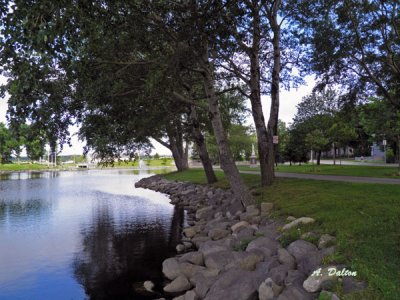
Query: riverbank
[[229, 252]]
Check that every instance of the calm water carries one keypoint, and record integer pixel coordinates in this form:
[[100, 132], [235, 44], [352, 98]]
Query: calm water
[[82, 235]]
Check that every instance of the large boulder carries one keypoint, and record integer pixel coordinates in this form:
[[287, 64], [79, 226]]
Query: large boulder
[[264, 243], [310, 261], [320, 279], [234, 284], [325, 241], [170, 268], [179, 284], [300, 248], [205, 212], [239, 225], [195, 258], [286, 258], [218, 260], [189, 270], [295, 293], [217, 233]]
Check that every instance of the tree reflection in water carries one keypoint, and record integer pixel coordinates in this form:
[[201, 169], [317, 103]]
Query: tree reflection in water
[[114, 258]]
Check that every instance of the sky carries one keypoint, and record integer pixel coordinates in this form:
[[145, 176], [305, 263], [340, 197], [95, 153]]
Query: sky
[[287, 110]]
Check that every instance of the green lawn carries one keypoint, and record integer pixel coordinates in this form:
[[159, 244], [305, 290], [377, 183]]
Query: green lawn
[[22, 167], [365, 218], [166, 162], [362, 171]]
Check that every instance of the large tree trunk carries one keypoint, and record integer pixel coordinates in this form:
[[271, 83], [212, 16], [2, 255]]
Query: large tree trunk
[[236, 183], [334, 154], [398, 152], [201, 146], [255, 99], [274, 112]]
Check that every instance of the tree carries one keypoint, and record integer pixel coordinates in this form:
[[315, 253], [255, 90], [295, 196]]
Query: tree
[[316, 141]]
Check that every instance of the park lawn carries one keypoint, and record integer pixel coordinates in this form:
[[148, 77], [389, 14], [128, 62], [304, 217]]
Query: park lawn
[[345, 170], [22, 167], [365, 218], [162, 162]]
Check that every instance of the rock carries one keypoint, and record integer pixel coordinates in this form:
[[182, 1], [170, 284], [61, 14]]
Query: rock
[[209, 247], [295, 277], [189, 270], [328, 295], [198, 240], [285, 258], [309, 235], [246, 260], [148, 285], [264, 243], [180, 248], [239, 225], [252, 210], [319, 279], [268, 231], [170, 268], [204, 212], [182, 297], [179, 284], [279, 273], [263, 268], [268, 290], [218, 260], [313, 259], [351, 285], [300, 248], [202, 284], [290, 218], [190, 295], [244, 233], [234, 284], [195, 258], [188, 245], [297, 222], [190, 232], [266, 208], [295, 293], [217, 234], [326, 240]]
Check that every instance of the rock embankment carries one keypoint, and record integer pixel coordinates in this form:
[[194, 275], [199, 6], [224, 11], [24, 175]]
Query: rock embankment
[[231, 252]]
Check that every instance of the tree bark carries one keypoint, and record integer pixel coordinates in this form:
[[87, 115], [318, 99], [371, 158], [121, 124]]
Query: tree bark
[[272, 128], [176, 140], [201, 146], [236, 183], [319, 157], [334, 154]]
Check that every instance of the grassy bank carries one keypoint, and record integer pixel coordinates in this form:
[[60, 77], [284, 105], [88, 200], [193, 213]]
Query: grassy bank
[[365, 218], [162, 162], [345, 170], [22, 167]]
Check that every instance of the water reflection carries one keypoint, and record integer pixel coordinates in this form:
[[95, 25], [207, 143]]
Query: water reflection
[[113, 259], [67, 234]]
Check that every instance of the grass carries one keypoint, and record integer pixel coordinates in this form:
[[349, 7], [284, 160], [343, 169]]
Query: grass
[[345, 170], [365, 218], [162, 162], [22, 167]]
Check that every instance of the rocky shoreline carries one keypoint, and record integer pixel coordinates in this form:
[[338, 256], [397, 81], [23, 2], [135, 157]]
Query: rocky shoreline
[[229, 252]]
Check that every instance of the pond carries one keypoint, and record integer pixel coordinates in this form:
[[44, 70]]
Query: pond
[[83, 235]]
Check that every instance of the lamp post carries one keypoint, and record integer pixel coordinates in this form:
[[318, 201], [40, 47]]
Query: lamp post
[[384, 142]]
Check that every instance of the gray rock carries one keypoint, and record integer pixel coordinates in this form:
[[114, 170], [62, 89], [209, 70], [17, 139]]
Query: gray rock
[[218, 260], [217, 233], [297, 222], [191, 295], [351, 285], [326, 240], [290, 218], [203, 282], [268, 290], [309, 235], [190, 231], [246, 260], [264, 243], [148, 285], [180, 248], [170, 268], [285, 258], [279, 273], [266, 208], [267, 231], [199, 240], [209, 247], [295, 293], [320, 279], [244, 233], [300, 248], [295, 277], [239, 225], [195, 258], [263, 268], [204, 212], [189, 270], [179, 284], [234, 284], [252, 210], [311, 260]]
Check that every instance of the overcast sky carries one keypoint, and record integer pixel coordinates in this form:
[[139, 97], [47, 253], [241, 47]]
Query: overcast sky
[[287, 110]]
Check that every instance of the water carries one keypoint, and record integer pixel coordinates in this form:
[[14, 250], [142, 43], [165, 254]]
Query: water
[[82, 235]]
